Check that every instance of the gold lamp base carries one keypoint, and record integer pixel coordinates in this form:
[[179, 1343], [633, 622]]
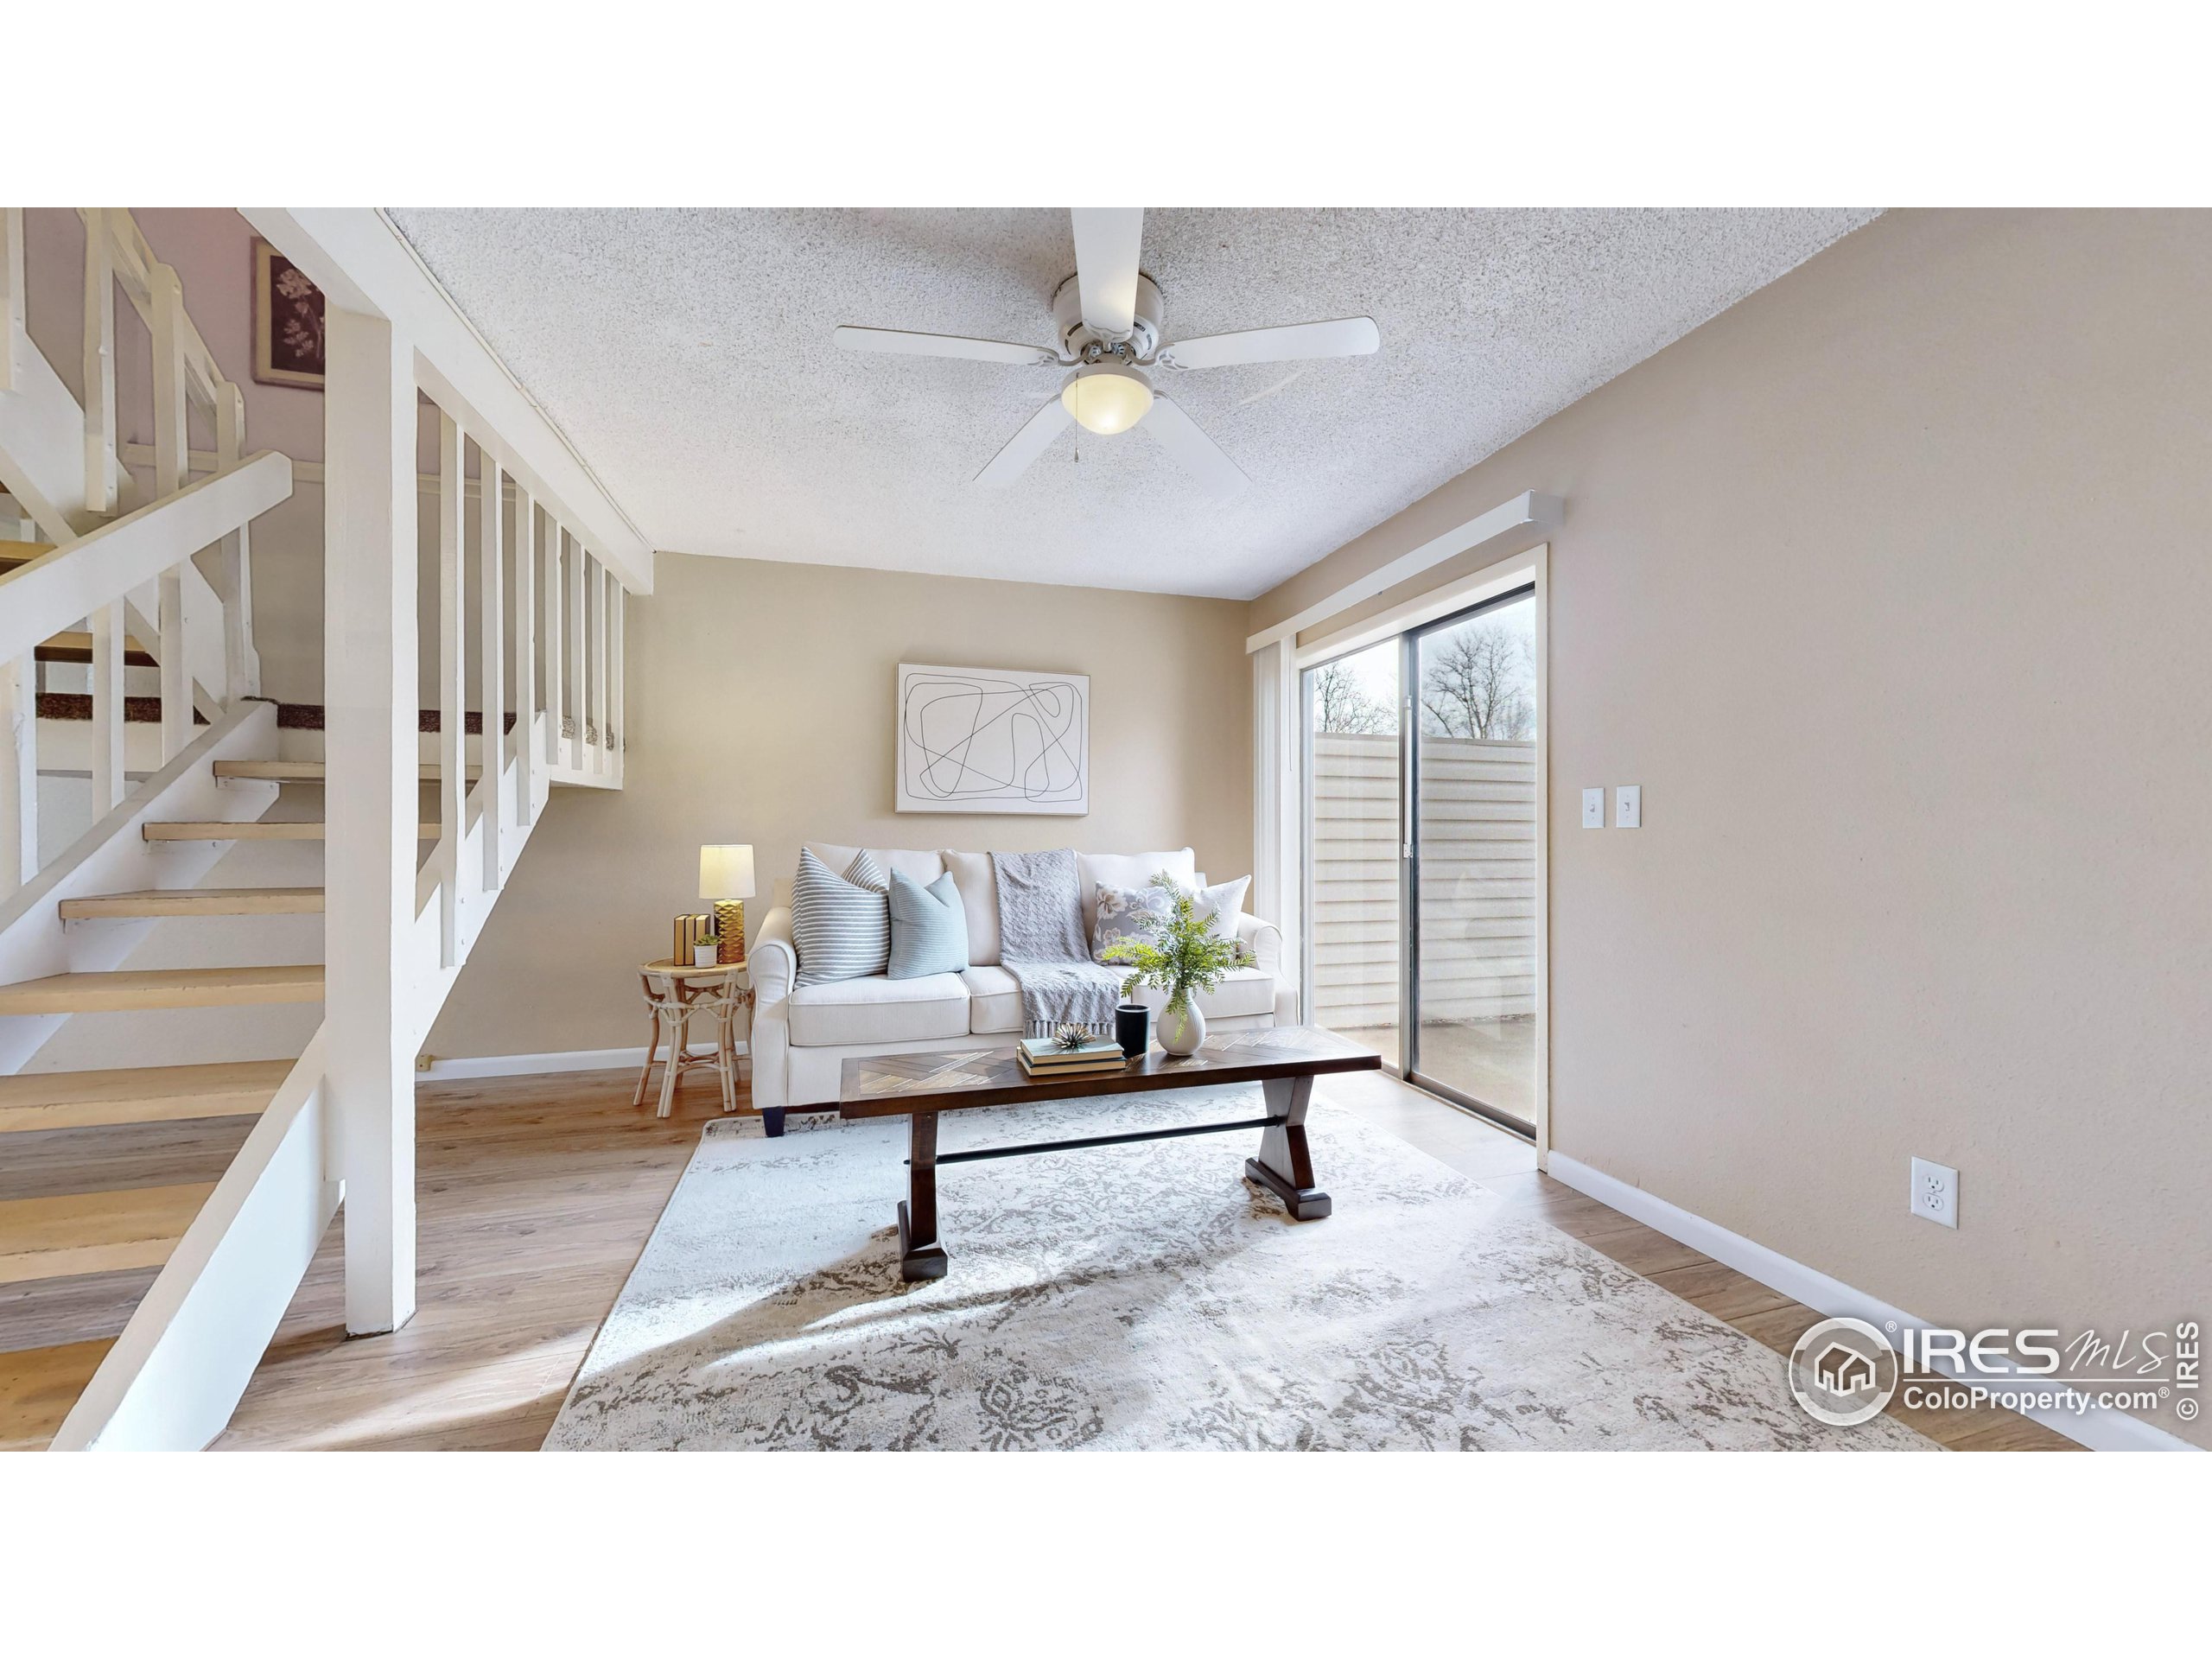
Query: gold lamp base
[[730, 929]]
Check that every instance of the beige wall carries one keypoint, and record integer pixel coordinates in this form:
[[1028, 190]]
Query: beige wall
[[761, 698], [1891, 587]]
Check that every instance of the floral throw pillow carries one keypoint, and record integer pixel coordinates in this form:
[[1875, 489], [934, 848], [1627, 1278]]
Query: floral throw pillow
[[1128, 912]]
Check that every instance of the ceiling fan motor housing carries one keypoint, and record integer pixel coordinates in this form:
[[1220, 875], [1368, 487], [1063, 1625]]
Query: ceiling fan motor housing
[[1076, 335]]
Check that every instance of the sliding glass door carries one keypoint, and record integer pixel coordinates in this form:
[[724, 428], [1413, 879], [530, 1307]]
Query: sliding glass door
[[1421, 826], [1471, 956], [1355, 790]]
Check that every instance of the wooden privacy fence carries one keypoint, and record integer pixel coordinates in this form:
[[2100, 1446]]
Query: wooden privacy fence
[[1479, 880]]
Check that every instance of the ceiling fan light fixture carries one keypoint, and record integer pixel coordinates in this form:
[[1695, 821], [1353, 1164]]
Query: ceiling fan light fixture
[[1107, 397]]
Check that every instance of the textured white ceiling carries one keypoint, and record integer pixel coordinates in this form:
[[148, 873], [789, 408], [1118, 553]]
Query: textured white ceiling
[[687, 355]]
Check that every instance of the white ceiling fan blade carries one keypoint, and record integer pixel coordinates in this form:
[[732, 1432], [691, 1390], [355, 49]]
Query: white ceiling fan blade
[[1106, 241], [906, 343], [1197, 455], [1024, 446], [1346, 337]]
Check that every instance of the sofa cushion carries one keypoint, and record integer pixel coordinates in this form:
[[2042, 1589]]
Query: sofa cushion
[[879, 1010], [978, 883], [841, 924], [1126, 870], [993, 1000], [929, 931], [1242, 991]]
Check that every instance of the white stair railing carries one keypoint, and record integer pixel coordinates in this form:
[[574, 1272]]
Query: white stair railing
[[548, 645], [115, 576]]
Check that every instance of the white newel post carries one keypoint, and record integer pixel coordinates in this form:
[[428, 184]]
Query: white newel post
[[370, 697]]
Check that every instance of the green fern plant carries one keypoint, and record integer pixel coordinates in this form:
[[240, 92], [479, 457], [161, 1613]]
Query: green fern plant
[[1183, 954]]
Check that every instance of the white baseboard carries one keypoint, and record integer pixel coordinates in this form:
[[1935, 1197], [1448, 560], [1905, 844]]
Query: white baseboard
[[530, 1065], [2100, 1430]]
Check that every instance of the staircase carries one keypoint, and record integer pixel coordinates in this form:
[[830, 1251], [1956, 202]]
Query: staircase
[[168, 1154]]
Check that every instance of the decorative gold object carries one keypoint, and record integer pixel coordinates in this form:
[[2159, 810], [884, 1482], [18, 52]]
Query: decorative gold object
[[730, 929], [726, 877]]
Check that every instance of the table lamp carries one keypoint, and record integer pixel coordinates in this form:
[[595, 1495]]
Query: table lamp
[[726, 878]]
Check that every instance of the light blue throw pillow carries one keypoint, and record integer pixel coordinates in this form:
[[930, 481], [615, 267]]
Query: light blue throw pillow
[[929, 927]]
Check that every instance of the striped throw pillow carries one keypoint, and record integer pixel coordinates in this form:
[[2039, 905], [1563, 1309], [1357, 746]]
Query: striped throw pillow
[[841, 924]]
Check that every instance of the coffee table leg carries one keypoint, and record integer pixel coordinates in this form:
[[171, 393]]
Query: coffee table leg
[[920, 1256], [1284, 1166]]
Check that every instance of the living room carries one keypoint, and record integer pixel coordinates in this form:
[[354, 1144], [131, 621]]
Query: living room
[[1563, 822]]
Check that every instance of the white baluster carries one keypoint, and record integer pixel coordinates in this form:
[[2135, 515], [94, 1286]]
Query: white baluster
[[101, 465], [579, 665], [169, 463], [599, 586], [241, 663], [18, 772], [556, 541], [615, 726], [526, 655], [108, 644], [11, 292], [492, 748], [453, 746]]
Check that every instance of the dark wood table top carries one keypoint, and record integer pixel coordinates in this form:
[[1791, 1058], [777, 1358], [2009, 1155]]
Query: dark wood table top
[[895, 1085]]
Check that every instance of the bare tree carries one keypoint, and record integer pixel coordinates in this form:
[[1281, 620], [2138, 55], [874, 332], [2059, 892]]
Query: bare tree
[[1480, 685], [1342, 704]]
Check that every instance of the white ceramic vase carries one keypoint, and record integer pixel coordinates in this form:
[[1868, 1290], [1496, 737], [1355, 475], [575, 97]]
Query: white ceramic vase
[[1180, 1033]]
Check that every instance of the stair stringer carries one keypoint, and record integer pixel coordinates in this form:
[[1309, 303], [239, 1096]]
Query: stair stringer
[[114, 856]]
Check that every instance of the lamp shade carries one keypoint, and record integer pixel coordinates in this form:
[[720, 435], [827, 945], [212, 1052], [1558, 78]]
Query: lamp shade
[[726, 872]]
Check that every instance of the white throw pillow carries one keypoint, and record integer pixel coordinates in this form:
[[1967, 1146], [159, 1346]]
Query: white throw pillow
[[1221, 903], [1126, 870], [979, 896]]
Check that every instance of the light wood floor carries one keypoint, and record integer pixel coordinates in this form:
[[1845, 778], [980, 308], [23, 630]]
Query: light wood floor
[[536, 1194]]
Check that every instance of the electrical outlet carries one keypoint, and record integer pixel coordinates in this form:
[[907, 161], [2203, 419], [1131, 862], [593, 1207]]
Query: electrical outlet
[[1593, 808], [1936, 1192], [1628, 807]]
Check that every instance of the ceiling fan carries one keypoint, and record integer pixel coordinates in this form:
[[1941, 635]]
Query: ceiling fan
[[1108, 317]]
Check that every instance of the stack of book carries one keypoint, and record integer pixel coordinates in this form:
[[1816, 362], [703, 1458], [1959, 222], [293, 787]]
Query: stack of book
[[1043, 1057]]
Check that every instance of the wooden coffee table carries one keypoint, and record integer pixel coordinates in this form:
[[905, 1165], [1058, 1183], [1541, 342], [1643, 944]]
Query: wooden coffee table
[[1283, 1060]]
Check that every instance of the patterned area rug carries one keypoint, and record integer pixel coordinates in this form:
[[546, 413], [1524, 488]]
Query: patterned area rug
[[1146, 1296]]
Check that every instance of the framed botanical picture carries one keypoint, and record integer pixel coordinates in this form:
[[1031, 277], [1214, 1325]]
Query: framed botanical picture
[[287, 323]]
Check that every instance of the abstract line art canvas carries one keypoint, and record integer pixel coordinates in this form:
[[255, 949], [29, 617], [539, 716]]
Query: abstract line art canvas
[[992, 740]]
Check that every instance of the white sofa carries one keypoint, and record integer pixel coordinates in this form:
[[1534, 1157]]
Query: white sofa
[[801, 1035]]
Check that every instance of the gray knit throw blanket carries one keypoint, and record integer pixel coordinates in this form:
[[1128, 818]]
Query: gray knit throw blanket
[[1041, 941]]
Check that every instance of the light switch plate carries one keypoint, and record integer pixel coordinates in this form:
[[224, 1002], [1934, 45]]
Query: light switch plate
[[1936, 1192], [1628, 807], [1593, 808]]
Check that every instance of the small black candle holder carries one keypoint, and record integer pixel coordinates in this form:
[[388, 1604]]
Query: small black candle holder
[[1133, 1028]]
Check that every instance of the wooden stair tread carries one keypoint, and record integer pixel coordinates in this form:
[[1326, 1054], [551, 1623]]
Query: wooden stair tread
[[194, 901], [39, 1385], [204, 829], [163, 987], [94, 1232], [297, 772], [77, 1100]]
